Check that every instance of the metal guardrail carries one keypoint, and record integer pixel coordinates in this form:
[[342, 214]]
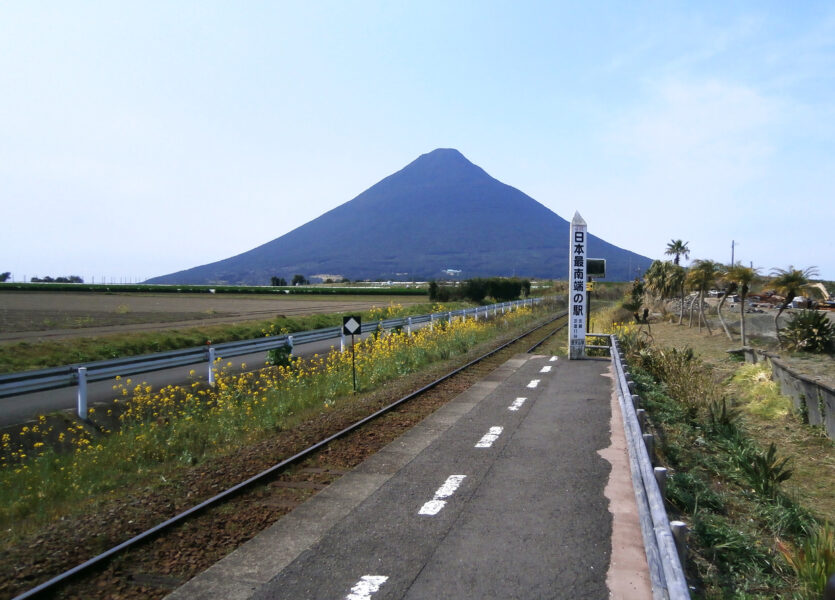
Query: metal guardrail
[[44, 587], [14, 384], [660, 542]]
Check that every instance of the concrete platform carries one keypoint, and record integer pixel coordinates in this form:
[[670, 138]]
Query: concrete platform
[[502, 493]]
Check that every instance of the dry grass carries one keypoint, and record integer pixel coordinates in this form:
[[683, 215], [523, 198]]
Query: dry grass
[[812, 454]]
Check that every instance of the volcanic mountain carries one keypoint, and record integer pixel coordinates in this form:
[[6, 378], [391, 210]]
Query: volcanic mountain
[[441, 212]]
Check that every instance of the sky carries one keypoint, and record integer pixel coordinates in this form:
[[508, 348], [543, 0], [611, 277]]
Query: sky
[[142, 138]]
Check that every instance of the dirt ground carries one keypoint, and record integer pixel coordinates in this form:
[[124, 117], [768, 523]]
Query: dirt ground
[[761, 328], [32, 316]]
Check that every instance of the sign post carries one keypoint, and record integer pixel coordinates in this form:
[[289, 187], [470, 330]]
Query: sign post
[[350, 326], [577, 305]]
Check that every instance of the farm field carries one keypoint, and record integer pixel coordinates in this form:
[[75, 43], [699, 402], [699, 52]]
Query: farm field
[[35, 316]]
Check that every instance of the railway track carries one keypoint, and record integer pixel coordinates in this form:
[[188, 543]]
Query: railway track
[[247, 492]]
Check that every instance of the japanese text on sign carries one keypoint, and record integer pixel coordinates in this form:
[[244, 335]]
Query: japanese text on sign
[[577, 295]]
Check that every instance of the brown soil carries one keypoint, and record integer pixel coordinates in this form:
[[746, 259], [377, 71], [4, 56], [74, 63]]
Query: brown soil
[[55, 315], [156, 567]]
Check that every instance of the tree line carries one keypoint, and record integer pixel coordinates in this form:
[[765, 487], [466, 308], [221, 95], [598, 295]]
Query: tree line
[[4, 277], [501, 289]]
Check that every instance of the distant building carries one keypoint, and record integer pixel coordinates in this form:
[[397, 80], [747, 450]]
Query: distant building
[[451, 272]]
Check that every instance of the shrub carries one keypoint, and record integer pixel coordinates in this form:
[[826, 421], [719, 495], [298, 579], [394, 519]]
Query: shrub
[[281, 356], [477, 289], [808, 331], [634, 296]]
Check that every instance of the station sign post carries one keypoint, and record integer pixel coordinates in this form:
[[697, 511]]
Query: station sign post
[[577, 299], [352, 325]]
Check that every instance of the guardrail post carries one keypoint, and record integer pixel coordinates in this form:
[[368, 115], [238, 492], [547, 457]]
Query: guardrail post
[[680, 535], [449, 318], [409, 326], [431, 322], [661, 479], [82, 393], [636, 401], [290, 343], [649, 442], [829, 590], [642, 418], [211, 366], [342, 341]]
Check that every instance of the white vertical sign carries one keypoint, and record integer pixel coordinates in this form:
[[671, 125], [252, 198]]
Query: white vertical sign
[[577, 288]]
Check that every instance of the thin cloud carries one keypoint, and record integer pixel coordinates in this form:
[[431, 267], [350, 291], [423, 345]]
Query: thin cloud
[[690, 133]]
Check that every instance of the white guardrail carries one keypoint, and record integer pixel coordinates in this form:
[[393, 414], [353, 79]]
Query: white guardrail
[[664, 541], [15, 384]]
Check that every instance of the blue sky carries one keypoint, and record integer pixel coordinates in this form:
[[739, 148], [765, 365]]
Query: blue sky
[[141, 138]]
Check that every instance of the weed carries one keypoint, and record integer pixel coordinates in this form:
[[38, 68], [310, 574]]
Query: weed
[[722, 419], [813, 560], [280, 357], [764, 469]]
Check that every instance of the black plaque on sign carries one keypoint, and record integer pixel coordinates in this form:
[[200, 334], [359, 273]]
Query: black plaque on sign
[[351, 325]]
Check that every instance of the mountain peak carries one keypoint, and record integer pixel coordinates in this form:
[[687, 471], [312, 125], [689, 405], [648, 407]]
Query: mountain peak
[[444, 153], [440, 211], [443, 163]]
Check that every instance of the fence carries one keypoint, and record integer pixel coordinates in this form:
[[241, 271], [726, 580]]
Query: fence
[[664, 541], [811, 398], [14, 384]]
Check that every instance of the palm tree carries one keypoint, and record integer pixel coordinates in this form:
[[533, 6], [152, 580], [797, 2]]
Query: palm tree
[[790, 283], [657, 279], [701, 276], [742, 277], [677, 248], [676, 281], [730, 288], [665, 280]]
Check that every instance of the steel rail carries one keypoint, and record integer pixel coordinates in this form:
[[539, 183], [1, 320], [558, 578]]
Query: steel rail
[[149, 533], [548, 337]]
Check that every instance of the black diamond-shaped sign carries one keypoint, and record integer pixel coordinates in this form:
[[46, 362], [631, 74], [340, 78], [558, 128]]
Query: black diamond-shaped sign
[[351, 325]]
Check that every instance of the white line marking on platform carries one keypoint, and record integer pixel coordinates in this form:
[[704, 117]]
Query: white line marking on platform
[[517, 404], [434, 506], [545, 369], [533, 383], [552, 359], [366, 586], [489, 437]]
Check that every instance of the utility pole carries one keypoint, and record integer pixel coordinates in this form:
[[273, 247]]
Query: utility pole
[[732, 253]]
